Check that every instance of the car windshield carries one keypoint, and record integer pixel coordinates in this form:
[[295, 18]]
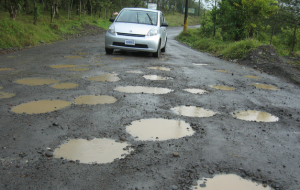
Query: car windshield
[[137, 16]]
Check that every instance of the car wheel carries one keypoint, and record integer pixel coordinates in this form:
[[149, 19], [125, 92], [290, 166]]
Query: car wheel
[[109, 51], [157, 53], [164, 49]]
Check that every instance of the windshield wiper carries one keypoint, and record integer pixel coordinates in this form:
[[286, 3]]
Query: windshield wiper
[[150, 19]]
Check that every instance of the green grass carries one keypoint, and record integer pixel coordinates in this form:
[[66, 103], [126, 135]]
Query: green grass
[[177, 19]]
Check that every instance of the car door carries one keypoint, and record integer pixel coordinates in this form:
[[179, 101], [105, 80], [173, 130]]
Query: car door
[[163, 30]]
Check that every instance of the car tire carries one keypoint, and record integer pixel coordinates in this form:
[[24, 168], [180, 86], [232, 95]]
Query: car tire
[[109, 51], [164, 49], [157, 53]]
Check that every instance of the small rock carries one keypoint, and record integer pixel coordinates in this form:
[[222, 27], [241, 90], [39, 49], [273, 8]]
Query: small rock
[[203, 185], [55, 124], [49, 153], [174, 187], [175, 154], [194, 183], [123, 139]]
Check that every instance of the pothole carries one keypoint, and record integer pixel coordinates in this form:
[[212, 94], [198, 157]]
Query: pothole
[[73, 57], [105, 78], [229, 182], [192, 111], [159, 129], [66, 66], [160, 68], [223, 71], [65, 86], [118, 58], [6, 69], [143, 89], [265, 86], [42, 106], [96, 150], [4, 95], [156, 77], [200, 64], [79, 69], [221, 87], [94, 100], [253, 115], [252, 77], [136, 72], [196, 91], [36, 81]]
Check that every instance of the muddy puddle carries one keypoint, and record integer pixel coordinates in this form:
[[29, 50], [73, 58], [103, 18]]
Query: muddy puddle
[[6, 69], [94, 100], [73, 57], [221, 87], [65, 86], [105, 78], [156, 77], [4, 95], [42, 106], [143, 89], [78, 69], [36, 81], [192, 111], [253, 115], [118, 58], [160, 68], [265, 86], [159, 129], [66, 66], [92, 151], [196, 91], [229, 182], [223, 71], [252, 77], [136, 72]]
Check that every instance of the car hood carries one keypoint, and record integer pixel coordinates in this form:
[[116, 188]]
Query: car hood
[[133, 28]]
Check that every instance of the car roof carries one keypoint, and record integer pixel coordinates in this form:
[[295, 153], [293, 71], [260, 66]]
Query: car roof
[[141, 9]]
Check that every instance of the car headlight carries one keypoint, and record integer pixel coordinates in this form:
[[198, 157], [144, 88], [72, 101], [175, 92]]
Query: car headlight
[[111, 29], [152, 32]]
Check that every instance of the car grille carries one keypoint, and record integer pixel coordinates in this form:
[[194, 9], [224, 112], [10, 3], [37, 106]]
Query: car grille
[[129, 34], [136, 45]]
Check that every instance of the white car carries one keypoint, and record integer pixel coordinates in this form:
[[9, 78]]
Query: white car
[[137, 29]]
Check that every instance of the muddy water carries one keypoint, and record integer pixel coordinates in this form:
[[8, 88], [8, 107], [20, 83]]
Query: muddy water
[[36, 81], [266, 87], [160, 68], [136, 72], [73, 57], [66, 66], [229, 182], [79, 69], [159, 129], [223, 71], [196, 91], [4, 95], [93, 100], [252, 77], [222, 87], [6, 69], [105, 78], [253, 115], [192, 111], [156, 77], [96, 150], [65, 86], [42, 106], [143, 89]]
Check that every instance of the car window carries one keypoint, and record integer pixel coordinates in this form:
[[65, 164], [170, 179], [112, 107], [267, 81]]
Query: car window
[[135, 16]]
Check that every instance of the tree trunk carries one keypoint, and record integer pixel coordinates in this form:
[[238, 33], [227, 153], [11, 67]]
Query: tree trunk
[[295, 37], [35, 13], [56, 9], [12, 10], [273, 30], [52, 12]]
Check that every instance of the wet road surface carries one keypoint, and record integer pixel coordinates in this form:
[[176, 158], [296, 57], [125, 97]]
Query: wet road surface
[[209, 117]]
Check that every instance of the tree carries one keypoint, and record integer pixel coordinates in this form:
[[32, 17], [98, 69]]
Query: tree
[[13, 7]]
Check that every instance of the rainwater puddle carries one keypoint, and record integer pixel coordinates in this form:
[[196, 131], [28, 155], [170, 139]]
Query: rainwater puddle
[[36, 81], [136, 72], [160, 68], [192, 111], [118, 58], [223, 71], [196, 91], [6, 69], [105, 78], [229, 182], [73, 57], [252, 115], [79, 69], [42, 106], [96, 150], [65, 86], [156, 77], [252, 77], [66, 66], [94, 100], [159, 129], [200, 64], [265, 86], [4, 95], [221, 87], [143, 89]]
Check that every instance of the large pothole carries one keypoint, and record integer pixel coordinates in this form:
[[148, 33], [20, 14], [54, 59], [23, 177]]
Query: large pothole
[[156, 77], [253, 115], [4, 95], [143, 89], [65, 86], [228, 88], [160, 68], [196, 91], [94, 100], [265, 86], [36, 81]]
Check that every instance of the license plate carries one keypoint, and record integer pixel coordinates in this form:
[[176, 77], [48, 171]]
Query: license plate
[[130, 42]]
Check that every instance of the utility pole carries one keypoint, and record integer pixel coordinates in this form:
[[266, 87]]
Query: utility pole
[[186, 15]]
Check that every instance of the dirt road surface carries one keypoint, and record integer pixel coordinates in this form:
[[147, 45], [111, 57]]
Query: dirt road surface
[[206, 137]]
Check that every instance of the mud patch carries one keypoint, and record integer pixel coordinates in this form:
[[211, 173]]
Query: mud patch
[[156, 77], [65, 86], [96, 150], [4, 95], [42, 106], [265, 86], [36, 81], [221, 87], [223, 71], [136, 72], [143, 89], [192, 111], [6, 69], [252, 77], [105, 78], [196, 91], [73, 57], [79, 69], [94, 100], [160, 68], [159, 129], [253, 115]]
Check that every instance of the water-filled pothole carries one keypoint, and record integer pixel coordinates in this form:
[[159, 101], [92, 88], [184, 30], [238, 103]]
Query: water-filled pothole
[[73, 57], [105, 78], [265, 86], [78, 69], [93, 100], [96, 150], [192, 111], [143, 89], [253, 115], [200, 64], [36, 81], [135, 71], [160, 68], [196, 91], [42, 106], [229, 182], [159, 129], [156, 77], [222, 87], [65, 66], [223, 71], [65, 86], [252, 77], [118, 58], [4, 95], [6, 69]]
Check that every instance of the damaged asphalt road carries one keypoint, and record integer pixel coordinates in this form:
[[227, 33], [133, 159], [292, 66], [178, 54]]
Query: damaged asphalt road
[[86, 94]]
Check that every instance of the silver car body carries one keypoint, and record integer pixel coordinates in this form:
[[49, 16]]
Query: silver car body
[[136, 34]]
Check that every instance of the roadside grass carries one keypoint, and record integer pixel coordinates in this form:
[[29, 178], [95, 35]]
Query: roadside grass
[[177, 19]]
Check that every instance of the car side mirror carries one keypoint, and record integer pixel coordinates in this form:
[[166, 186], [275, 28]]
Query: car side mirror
[[165, 24], [112, 19]]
